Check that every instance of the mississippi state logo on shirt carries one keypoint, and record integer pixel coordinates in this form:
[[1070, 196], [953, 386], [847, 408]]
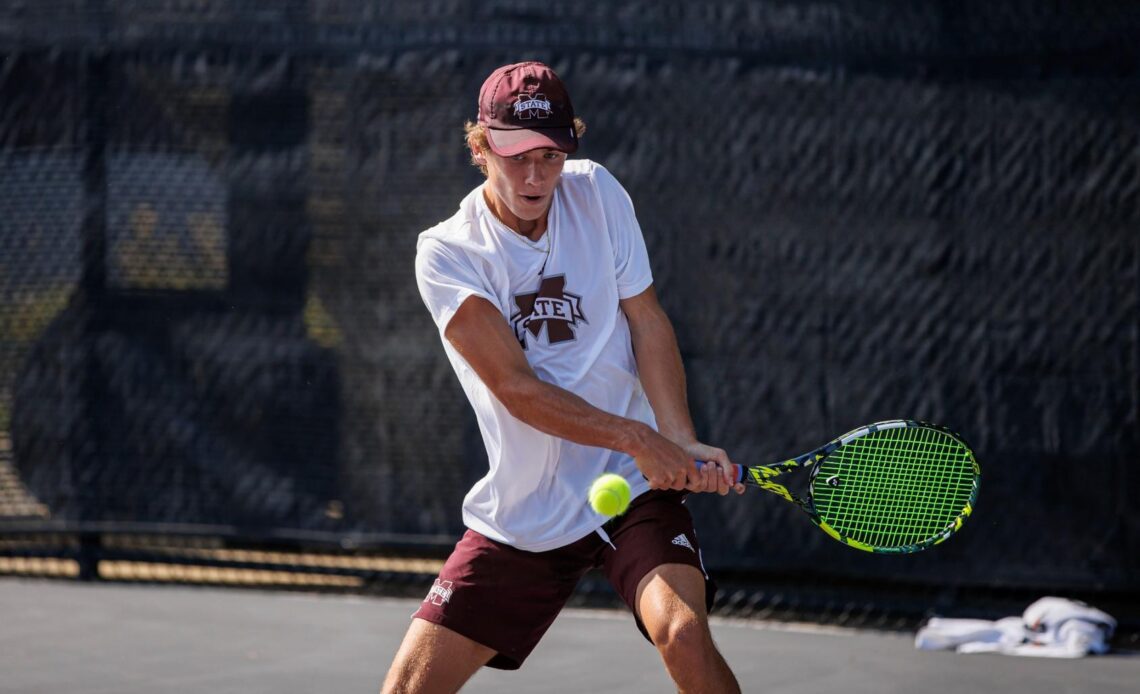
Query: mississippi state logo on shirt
[[551, 309]]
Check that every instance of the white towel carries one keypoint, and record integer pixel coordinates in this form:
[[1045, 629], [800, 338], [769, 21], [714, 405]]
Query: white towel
[[1049, 628]]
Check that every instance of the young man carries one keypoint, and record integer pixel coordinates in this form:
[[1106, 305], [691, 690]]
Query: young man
[[542, 291]]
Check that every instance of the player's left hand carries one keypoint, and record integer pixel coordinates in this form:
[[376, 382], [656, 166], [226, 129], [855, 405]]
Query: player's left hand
[[715, 474]]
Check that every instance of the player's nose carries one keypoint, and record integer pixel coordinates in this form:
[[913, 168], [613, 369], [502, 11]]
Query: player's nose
[[535, 174], [533, 178]]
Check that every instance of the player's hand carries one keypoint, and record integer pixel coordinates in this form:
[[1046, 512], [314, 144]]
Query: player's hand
[[716, 473], [665, 464]]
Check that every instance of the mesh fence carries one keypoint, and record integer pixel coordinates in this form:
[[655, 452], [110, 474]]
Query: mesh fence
[[209, 324]]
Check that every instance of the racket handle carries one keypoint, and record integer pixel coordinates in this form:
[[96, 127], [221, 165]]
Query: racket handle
[[737, 471]]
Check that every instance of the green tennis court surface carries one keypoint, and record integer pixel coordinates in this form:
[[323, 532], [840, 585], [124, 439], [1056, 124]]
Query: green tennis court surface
[[123, 639]]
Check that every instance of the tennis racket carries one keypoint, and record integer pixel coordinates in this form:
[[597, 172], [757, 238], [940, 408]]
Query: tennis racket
[[893, 487]]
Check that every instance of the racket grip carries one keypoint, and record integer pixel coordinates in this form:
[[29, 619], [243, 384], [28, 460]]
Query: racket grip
[[737, 471]]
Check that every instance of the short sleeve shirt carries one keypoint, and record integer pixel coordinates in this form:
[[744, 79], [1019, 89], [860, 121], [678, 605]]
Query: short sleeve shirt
[[560, 298]]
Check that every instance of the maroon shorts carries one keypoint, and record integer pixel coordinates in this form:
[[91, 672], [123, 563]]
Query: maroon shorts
[[506, 598]]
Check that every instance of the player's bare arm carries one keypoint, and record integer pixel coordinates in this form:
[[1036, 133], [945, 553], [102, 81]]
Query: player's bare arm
[[479, 333], [662, 375]]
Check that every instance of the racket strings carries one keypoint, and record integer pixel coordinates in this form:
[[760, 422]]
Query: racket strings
[[899, 510], [895, 487], [935, 511], [902, 509]]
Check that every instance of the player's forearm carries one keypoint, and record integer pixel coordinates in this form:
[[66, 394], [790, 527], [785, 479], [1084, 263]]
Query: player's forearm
[[558, 412], [662, 375]]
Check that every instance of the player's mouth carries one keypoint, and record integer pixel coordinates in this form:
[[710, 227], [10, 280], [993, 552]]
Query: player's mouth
[[533, 198]]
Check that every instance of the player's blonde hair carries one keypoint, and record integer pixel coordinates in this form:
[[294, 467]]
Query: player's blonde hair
[[476, 136]]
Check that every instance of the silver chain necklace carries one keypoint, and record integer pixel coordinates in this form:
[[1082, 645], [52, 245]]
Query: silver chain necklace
[[542, 247]]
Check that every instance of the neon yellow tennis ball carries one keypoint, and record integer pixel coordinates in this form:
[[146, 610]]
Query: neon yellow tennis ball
[[609, 494]]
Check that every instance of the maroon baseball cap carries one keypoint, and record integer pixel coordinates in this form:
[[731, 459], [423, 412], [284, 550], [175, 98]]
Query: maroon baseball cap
[[525, 106]]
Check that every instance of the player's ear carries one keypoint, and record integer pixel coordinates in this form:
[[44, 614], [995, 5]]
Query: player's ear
[[478, 155]]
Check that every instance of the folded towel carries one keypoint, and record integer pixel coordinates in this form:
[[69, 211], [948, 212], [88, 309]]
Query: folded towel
[[1049, 628]]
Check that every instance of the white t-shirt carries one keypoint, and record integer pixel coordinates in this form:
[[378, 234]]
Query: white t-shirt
[[573, 333]]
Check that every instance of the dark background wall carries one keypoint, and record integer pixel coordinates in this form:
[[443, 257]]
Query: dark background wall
[[855, 211]]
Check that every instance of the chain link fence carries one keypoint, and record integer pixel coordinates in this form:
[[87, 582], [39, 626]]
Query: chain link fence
[[209, 326]]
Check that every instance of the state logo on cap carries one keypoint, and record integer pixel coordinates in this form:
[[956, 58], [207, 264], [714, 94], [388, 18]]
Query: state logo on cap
[[525, 106]]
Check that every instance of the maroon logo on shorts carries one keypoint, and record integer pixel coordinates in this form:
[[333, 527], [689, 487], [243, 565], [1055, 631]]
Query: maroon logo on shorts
[[440, 593]]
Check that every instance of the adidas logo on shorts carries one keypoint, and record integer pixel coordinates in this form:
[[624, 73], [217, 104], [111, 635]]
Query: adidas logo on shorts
[[682, 541]]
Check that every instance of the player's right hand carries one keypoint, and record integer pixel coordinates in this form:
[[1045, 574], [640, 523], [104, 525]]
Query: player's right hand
[[715, 472], [665, 464]]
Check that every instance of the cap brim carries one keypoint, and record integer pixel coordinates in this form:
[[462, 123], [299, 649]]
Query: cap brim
[[508, 143]]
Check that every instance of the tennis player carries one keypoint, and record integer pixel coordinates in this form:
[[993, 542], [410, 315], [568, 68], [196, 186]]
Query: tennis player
[[541, 288]]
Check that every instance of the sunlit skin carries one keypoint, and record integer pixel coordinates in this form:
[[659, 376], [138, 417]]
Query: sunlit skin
[[520, 189]]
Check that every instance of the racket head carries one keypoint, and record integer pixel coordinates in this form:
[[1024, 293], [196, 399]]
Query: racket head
[[894, 487]]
